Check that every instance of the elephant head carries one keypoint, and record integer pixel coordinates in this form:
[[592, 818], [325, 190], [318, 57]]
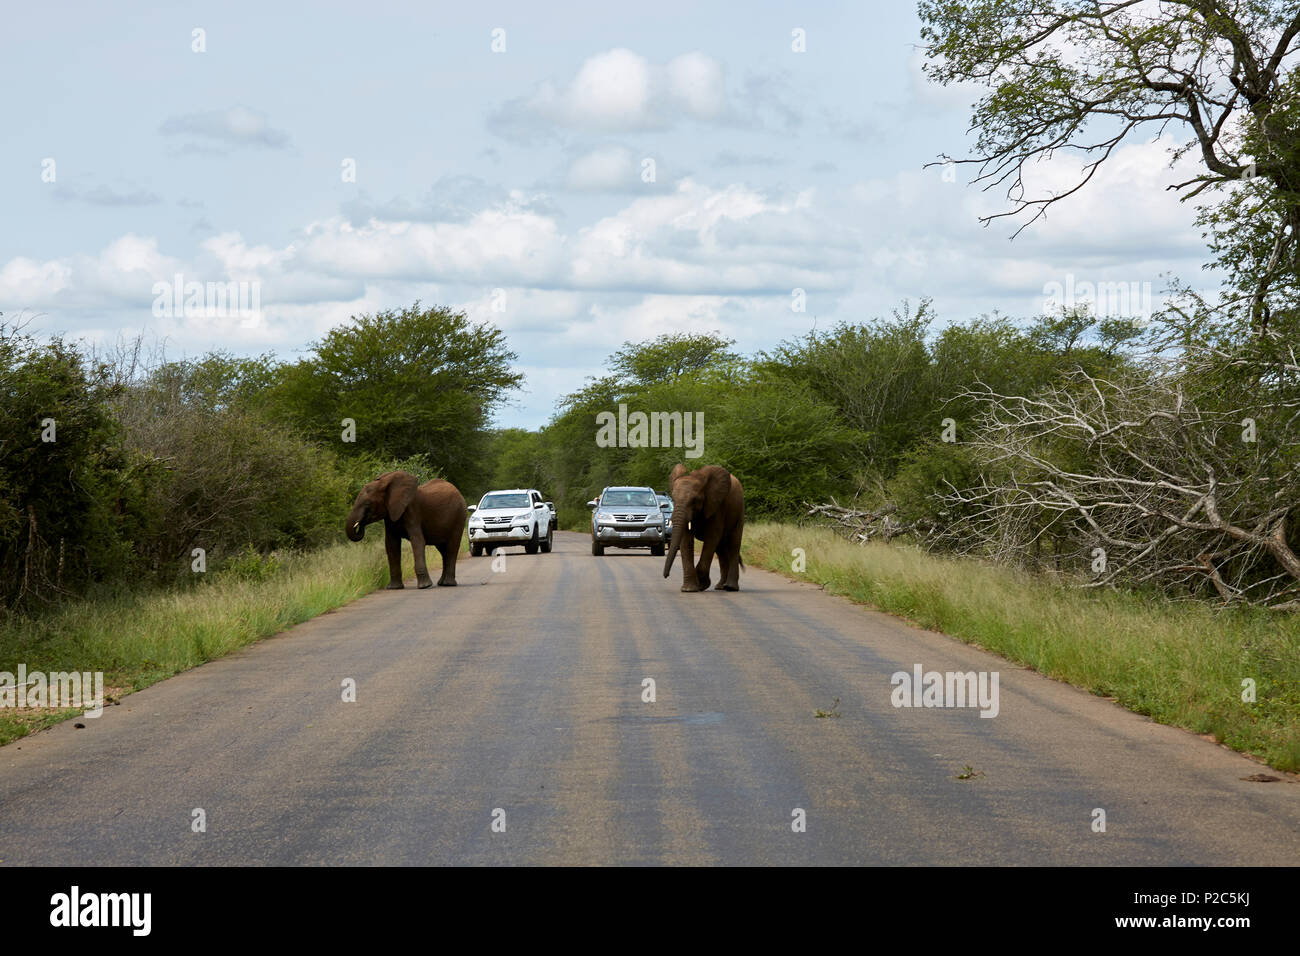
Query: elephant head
[[388, 496], [697, 496]]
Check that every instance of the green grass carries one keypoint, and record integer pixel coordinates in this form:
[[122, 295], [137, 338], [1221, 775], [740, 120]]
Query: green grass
[[1181, 663], [142, 638]]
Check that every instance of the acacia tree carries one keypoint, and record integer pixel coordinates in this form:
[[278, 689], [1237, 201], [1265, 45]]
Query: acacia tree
[[1086, 75], [670, 356]]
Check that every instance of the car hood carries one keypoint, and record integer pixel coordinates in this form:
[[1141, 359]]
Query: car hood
[[501, 512]]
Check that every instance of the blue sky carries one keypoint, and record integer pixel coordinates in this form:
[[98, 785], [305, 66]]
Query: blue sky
[[512, 184]]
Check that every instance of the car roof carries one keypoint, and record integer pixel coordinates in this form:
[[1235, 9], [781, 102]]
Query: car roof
[[629, 488], [510, 491]]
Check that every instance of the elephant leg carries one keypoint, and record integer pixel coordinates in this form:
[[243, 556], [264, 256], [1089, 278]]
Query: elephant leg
[[731, 567], [421, 568], [393, 546], [706, 560], [724, 567], [690, 578], [448, 551]]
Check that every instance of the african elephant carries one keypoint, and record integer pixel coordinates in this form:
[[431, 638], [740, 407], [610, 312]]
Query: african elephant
[[432, 513], [708, 504]]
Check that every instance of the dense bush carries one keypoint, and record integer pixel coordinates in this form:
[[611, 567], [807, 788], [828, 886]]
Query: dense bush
[[152, 459], [243, 456], [68, 507], [220, 476], [857, 412]]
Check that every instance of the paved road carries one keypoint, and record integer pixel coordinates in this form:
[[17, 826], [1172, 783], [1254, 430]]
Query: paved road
[[523, 691]]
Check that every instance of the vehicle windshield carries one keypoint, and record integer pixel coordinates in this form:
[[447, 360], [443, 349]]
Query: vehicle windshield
[[505, 501], [629, 499]]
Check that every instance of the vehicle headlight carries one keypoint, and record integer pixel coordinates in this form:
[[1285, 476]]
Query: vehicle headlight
[[522, 519], [604, 516]]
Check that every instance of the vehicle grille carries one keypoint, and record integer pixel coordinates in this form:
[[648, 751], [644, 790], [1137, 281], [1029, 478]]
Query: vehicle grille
[[630, 517]]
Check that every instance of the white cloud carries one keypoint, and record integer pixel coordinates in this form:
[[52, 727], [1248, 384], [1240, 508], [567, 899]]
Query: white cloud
[[121, 274], [695, 81], [606, 169], [619, 90], [611, 90], [26, 283], [661, 262], [496, 246], [924, 238]]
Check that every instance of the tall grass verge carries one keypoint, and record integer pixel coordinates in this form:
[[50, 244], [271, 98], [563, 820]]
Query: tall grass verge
[[139, 639], [1181, 663]]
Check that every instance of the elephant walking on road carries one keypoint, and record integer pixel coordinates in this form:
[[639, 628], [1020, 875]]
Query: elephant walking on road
[[708, 504], [432, 513]]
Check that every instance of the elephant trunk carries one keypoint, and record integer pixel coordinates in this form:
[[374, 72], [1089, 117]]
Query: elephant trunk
[[355, 527], [679, 529]]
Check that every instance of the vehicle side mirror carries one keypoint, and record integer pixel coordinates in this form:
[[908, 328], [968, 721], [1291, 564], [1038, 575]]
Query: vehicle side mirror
[[664, 506], [473, 507], [593, 502]]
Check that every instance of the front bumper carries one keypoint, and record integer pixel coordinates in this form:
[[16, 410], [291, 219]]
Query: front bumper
[[624, 536], [485, 535]]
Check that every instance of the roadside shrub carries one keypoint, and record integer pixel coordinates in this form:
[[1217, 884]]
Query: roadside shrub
[[250, 565], [66, 487]]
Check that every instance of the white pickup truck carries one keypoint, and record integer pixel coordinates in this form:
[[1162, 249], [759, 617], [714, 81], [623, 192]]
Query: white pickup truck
[[511, 516]]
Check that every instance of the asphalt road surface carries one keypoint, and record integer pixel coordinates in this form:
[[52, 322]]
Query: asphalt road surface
[[517, 696]]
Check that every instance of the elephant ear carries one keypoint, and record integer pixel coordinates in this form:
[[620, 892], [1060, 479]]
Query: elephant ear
[[716, 489], [678, 470], [399, 492]]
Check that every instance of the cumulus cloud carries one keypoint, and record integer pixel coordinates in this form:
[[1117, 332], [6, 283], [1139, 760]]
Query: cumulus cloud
[[28, 283], [699, 239], [609, 169], [122, 274], [618, 91], [237, 126], [693, 241], [1123, 227]]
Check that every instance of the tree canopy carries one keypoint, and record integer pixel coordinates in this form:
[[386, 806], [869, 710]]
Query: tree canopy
[[415, 381], [1085, 76]]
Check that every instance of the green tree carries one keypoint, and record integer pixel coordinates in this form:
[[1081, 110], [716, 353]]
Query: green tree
[[1084, 76], [671, 356], [417, 381], [63, 472], [876, 375]]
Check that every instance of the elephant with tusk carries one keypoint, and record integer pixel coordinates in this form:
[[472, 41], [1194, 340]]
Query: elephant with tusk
[[432, 513], [708, 504]]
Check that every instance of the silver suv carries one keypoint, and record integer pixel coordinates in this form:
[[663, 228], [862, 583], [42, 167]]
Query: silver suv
[[627, 517], [666, 506]]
